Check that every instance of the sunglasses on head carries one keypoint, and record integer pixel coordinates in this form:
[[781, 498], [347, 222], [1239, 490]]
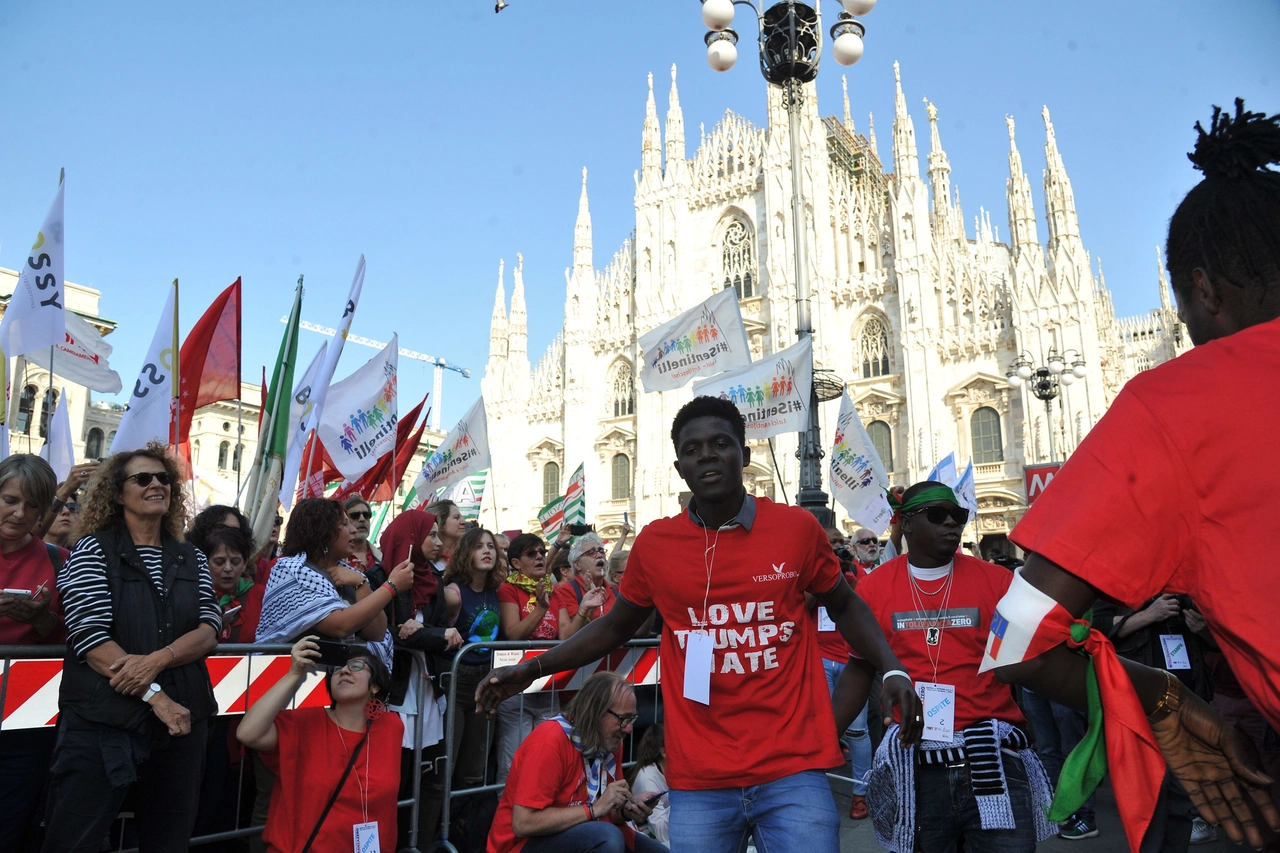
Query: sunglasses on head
[[939, 514], [144, 478], [360, 516], [869, 541]]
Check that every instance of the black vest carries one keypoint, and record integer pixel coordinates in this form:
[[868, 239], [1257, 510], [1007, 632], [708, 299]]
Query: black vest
[[144, 620]]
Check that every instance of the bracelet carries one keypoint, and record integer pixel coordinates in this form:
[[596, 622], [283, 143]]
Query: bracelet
[[539, 663], [1169, 702], [897, 672], [591, 815], [172, 652], [394, 589]]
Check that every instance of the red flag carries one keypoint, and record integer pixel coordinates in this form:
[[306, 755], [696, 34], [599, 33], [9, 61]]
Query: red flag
[[379, 482], [319, 471], [209, 360]]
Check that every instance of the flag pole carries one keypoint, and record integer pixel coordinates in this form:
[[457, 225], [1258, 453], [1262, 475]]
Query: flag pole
[[176, 385], [239, 457]]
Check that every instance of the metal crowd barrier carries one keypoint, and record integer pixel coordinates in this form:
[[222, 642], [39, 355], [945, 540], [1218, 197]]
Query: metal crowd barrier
[[259, 662]]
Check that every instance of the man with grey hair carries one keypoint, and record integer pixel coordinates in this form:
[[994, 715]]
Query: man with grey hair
[[866, 551], [587, 595]]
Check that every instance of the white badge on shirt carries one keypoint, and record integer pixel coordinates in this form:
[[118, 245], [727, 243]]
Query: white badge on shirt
[[366, 837], [1175, 651], [825, 622], [939, 702], [698, 662]]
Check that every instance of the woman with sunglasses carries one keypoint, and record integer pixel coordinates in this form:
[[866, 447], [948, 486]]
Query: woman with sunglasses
[[336, 766], [135, 698]]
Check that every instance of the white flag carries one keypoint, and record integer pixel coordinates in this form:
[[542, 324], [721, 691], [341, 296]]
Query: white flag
[[58, 450], [966, 491], [945, 471], [300, 404], [464, 450], [772, 393], [36, 317], [359, 420], [858, 477], [81, 358], [318, 391], [149, 415], [703, 341]]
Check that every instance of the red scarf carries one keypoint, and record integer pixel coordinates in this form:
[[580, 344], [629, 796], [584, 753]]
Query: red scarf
[[404, 537]]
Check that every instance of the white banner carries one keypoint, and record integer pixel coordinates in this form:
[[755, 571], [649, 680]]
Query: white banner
[[464, 450], [36, 316], [703, 341], [858, 477], [81, 358], [966, 490], [149, 415], [359, 421], [945, 471], [58, 450], [319, 390], [300, 404], [772, 393]]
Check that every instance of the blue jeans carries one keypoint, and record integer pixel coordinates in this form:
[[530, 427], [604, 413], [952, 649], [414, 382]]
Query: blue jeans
[[859, 742], [947, 812], [1057, 729], [794, 813], [595, 837]]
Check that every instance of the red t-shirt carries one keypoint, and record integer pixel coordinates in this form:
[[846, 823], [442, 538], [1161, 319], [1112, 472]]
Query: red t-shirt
[[770, 715], [976, 587], [547, 772], [309, 760], [526, 603], [831, 643], [566, 597], [28, 568], [1170, 492]]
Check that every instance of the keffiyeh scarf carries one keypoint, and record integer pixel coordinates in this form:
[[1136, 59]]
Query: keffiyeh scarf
[[597, 764]]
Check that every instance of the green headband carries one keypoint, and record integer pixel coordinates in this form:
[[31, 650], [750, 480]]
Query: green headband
[[929, 495]]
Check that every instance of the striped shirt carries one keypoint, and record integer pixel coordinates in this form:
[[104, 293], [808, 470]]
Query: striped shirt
[[86, 596]]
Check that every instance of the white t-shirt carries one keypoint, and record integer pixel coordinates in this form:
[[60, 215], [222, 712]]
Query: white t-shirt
[[648, 781]]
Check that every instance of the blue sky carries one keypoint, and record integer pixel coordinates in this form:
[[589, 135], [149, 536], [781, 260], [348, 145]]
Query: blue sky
[[208, 141]]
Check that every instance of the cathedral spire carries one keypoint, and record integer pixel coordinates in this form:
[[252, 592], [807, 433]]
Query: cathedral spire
[[1165, 303], [676, 163], [651, 144], [1022, 213], [848, 120], [518, 324], [939, 167], [498, 324], [1059, 200], [906, 161], [871, 134], [582, 233]]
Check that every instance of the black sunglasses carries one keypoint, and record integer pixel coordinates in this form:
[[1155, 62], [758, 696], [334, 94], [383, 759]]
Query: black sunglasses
[[939, 514], [869, 541], [359, 516], [144, 478]]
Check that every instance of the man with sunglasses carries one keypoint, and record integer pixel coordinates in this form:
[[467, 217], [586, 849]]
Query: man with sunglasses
[[973, 781], [366, 554]]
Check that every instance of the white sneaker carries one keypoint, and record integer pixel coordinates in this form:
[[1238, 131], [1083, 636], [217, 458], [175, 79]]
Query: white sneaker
[[1202, 832]]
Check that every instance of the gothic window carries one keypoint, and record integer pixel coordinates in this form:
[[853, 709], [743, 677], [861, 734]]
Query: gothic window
[[621, 477], [874, 343], [46, 411], [882, 441], [93, 444], [224, 450], [623, 397], [26, 409], [550, 482], [739, 258], [195, 451], [984, 428], [235, 459]]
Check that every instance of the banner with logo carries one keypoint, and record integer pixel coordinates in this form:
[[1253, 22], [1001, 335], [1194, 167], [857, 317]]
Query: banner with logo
[[464, 450], [772, 393], [468, 494], [703, 341], [575, 498], [81, 358], [551, 517], [35, 317], [358, 423], [858, 477], [149, 413]]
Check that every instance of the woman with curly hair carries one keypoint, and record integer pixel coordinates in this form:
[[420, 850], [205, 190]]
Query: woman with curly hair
[[135, 697]]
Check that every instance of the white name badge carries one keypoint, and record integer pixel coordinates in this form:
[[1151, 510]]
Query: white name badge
[[698, 661], [366, 837], [939, 702], [1175, 651], [825, 622]]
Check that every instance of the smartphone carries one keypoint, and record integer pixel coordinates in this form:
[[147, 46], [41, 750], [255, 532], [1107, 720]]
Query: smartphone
[[333, 653], [24, 594], [579, 529], [227, 614], [651, 798]]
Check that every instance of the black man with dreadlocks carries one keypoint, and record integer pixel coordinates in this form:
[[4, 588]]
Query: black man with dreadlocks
[[1168, 483]]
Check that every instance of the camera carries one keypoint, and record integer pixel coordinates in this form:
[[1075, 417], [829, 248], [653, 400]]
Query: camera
[[844, 554]]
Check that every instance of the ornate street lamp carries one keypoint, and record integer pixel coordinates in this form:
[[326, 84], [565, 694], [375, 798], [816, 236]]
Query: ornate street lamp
[[1046, 382], [790, 50]]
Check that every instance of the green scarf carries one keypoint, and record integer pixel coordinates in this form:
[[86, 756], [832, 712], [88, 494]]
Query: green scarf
[[1083, 769], [929, 495], [241, 588]]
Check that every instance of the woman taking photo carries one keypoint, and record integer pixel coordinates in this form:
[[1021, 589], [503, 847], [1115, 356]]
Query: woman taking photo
[[135, 698], [338, 777]]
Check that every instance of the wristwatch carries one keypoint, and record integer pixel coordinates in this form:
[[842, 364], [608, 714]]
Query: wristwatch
[[152, 692]]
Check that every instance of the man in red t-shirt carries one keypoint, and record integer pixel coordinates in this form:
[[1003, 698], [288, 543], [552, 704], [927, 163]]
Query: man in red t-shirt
[[935, 606], [1172, 483], [749, 723]]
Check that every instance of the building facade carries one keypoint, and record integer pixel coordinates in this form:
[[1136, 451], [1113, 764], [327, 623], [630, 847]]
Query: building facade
[[919, 316]]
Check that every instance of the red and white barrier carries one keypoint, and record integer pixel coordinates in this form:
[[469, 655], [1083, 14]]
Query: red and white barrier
[[637, 665]]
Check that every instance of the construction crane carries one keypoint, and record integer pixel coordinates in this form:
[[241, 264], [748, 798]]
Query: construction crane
[[439, 363]]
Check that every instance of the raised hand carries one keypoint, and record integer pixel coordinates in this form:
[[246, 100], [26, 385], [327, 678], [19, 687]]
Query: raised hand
[[592, 599], [402, 576], [304, 655]]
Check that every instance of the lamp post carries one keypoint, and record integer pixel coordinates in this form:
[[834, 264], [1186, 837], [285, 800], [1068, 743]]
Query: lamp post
[[1047, 381], [790, 45]]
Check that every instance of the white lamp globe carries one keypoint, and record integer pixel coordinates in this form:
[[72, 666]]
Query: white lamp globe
[[1078, 370], [722, 54], [717, 14], [1024, 371], [858, 8], [1056, 366], [1014, 380], [1066, 379], [847, 48]]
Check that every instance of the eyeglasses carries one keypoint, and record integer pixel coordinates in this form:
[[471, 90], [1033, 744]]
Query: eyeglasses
[[869, 541], [357, 665], [594, 551], [144, 478], [624, 720], [939, 514], [360, 516]]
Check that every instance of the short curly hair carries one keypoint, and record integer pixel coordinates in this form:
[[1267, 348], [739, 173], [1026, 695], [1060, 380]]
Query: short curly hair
[[101, 508], [313, 527], [709, 407], [209, 520], [460, 563]]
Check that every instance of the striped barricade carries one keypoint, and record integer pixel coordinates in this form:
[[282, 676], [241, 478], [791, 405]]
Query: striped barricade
[[638, 666]]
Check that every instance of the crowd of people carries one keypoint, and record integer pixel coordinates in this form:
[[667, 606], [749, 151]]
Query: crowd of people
[[982, 690]]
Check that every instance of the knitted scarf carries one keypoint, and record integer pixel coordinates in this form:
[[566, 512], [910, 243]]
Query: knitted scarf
[[597, 764]]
